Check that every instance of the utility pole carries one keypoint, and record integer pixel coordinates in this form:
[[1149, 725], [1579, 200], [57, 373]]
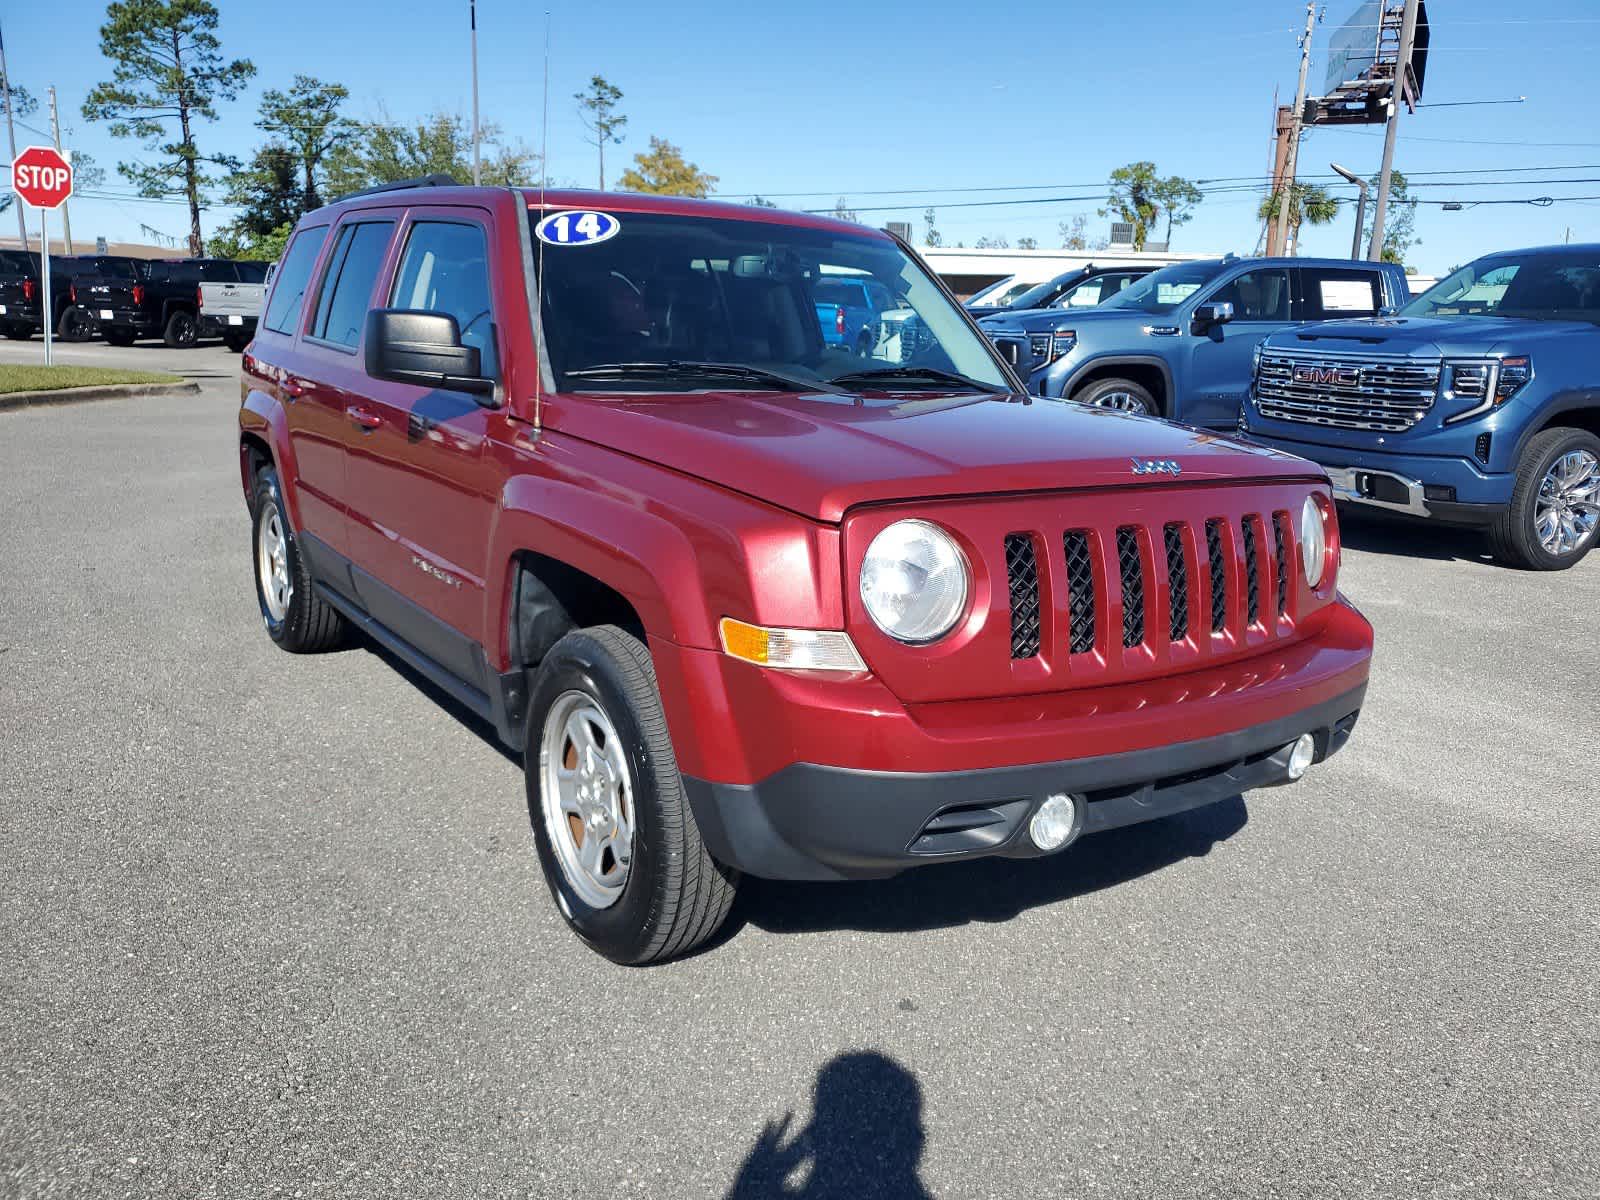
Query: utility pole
[[1397, 97], [55, 132], [1283, 127], [11, 134], [1286, 196], [477, 155]]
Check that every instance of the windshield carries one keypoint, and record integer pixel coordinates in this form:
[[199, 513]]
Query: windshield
[[1003, 295], [1166, 289], [670, 291], [1042, 294], [1550, 285]]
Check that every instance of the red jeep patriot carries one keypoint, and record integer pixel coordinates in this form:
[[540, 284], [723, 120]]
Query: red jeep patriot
[[750, 597]]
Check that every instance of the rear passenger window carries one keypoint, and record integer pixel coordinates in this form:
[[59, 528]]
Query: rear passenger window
[[445, 270], [251, 272], [347, 284], [1328, 293], [283, 310]]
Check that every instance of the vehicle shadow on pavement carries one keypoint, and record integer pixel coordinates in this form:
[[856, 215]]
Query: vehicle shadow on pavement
[[865, 1138], [987, 889], [1373, 534], [442, 698]]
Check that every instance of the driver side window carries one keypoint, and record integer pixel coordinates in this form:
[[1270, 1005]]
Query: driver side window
[[445, 270], [1257, 296]]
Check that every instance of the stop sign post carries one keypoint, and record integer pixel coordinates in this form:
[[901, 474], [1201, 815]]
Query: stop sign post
[[42, 176]]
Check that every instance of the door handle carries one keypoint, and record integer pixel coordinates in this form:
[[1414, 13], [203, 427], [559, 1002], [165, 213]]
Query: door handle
[[364, 417]]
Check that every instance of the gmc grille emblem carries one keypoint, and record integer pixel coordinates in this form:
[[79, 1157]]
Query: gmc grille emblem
[[1156, 466], [1342, 376]]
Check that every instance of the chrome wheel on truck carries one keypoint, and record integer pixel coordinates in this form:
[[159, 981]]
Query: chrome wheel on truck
[[1553, 519], [1567, 507], [587, 798]]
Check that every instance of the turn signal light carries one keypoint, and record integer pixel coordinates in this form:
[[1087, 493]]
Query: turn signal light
[[790, 649]]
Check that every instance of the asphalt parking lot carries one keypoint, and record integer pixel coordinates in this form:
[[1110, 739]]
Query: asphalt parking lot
[[273, 926]]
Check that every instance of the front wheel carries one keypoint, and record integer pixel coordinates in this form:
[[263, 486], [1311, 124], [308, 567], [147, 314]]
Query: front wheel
[[182, 331], [117, 336], [618, 843], [1555, 507], [17, 331], [1124, 395]]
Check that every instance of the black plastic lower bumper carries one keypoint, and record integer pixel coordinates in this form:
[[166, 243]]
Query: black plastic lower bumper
[[817, 822], [221, 326]]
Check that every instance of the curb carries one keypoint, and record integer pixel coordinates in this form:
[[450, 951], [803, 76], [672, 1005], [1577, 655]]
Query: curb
[[102, 391]]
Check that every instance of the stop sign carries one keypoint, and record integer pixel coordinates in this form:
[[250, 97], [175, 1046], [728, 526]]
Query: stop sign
[[42, 177]]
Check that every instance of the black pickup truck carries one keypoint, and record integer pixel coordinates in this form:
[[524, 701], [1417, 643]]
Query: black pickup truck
[[20, 294], [165, 301]]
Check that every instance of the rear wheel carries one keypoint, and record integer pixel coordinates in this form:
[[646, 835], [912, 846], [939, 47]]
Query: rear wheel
[[295, 616], [75, 324], [1554, 515], [17, 331], [236, 341], [118, 337], [618, 843], [1122, 394], [182, 331]]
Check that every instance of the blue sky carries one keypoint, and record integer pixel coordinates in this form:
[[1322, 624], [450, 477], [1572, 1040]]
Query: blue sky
[[837, 100]]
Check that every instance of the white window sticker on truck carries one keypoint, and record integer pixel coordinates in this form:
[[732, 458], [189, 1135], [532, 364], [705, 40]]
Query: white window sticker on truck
[[574, 228], [1347, 295]]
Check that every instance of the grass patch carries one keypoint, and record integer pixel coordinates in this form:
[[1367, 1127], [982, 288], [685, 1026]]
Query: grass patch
[[15, 378]]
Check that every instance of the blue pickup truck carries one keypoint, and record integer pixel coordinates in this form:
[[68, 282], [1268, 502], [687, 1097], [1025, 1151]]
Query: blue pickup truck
[[1478, 403], [847, 308], [1178, 343]]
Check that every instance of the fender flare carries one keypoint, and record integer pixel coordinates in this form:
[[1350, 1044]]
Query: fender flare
[[642, 555], [1550, 413], [1120, 360], [262, 416]]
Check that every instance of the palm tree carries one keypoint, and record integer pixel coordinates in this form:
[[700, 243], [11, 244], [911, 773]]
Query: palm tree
[[1307, 202]]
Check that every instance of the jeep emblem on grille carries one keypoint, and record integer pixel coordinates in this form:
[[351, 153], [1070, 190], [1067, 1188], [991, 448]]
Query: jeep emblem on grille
[[1343, 376], [1156, 466]]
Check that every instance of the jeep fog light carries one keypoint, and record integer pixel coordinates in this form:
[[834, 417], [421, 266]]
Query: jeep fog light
[[1056, 823], [1305, 749]]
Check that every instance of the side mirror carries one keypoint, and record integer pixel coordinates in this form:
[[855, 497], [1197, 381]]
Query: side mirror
[[1389, 310], [423, 348], [1208, 315]]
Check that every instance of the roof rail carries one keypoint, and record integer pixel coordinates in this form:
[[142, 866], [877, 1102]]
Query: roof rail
[[400, 185]]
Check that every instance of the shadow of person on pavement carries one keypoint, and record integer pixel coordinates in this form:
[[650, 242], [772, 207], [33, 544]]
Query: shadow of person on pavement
[[865, 1139]]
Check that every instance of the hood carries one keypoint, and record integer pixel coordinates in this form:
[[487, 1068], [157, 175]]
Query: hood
[[819, 455], [1042, 320], [1429, 337]]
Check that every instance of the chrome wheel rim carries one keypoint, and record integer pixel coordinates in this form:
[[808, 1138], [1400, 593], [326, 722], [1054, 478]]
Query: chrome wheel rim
[[272, 564], [1122, 402], [1567, 509], [587, 798]]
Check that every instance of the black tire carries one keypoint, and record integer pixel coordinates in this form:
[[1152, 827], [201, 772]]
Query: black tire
[[182, 331], [118, 337], [235, 342], [1514, 536], [1101, 392], [75, 324], [675, 895], [309, 624], [17, 331]]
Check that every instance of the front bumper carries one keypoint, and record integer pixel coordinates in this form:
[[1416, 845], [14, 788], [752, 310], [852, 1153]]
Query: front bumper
[[1445, 488], [827, 823]]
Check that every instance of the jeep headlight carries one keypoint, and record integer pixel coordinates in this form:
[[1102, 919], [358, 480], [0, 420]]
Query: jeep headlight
[[914, 581], [1313, 542]]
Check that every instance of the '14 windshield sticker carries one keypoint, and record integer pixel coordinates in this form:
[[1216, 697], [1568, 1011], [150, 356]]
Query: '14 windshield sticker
[[576, 228]]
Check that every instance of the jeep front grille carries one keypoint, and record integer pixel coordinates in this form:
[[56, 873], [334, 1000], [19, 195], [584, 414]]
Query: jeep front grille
[[1230, 554], [1383, 393]]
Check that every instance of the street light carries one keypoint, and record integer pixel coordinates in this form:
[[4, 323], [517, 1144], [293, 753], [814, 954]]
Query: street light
[[1361, 206]]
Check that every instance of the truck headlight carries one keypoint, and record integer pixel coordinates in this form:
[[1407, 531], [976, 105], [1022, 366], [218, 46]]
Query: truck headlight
[[914, 581], [1313, 542], [1062, 342], [1484, 384]]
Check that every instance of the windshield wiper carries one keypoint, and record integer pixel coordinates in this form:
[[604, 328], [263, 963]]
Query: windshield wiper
[[679, 368], [917, 374]]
